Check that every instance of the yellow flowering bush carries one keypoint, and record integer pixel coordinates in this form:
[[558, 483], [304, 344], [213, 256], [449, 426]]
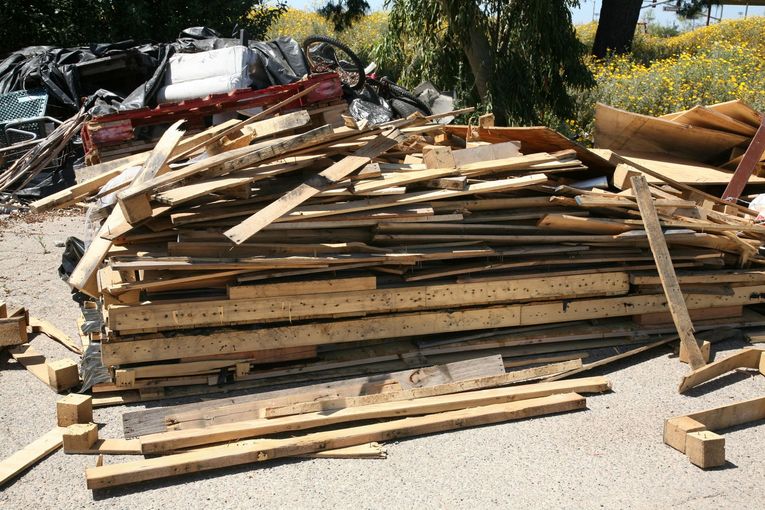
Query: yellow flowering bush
[[360, 38], [704, 66]]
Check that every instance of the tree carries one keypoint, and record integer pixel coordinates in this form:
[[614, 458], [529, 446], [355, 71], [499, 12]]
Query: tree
[[77, 22], [343, 13], [616, 27], [618, 20], [518, 58]]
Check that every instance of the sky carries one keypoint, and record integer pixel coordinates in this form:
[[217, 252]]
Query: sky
[[589, 10]]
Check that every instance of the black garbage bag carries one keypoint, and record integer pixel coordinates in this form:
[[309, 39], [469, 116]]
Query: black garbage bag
[[74, 249]]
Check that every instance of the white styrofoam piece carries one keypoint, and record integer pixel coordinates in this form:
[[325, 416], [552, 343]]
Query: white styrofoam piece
[[185, 67]]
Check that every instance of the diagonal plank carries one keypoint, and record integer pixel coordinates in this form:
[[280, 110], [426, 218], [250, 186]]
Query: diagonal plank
[[658, 244], [313, 186]]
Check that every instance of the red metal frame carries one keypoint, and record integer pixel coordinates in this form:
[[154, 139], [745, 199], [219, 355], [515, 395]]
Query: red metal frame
[[119, 127]]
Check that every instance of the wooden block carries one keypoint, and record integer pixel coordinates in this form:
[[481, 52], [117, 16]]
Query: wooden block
[[706, 352], [74, 408], [242, 369], [705, 449], [135, 208], [13, 331], [63, 374], [124, 378], [438, 157], [676, 430], [80, 436], [3, 310]]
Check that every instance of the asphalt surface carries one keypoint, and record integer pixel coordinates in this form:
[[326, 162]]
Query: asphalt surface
[[609, 456]]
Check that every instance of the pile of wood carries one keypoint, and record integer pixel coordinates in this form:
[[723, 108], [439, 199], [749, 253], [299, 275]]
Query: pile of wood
[[423, 270], [288, 251]]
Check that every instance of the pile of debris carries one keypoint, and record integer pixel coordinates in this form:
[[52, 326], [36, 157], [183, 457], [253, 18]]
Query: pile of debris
[[408, 263]]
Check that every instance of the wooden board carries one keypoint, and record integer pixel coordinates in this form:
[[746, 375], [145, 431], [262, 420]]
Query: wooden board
[[618, 129], [257, 450], [302, 287], [675, 299], [35, 451], [680, 170], [701, 116], [746, 358]]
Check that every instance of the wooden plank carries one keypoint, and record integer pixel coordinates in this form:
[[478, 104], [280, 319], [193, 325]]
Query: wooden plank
[[313, 186], [110, 446], [181, 439], [302, 287], [746, 358], [75, 192], [427, 391], [405, 325], [48, 329], [746, 166], [33, 361], [255, 451], [13, 466], [704, 117], [738, 110], [398, 299], [618, 129], [679, 170], [155, 165], [704, 277], [675, 300]]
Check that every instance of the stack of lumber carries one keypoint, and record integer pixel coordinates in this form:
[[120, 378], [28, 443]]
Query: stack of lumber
[[287, 251], [342, 420]]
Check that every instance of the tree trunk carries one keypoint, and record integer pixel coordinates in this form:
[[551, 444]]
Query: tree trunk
[[479, 55], [616, 28]]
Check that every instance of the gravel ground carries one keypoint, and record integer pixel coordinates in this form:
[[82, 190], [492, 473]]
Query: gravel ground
[[609, 456]]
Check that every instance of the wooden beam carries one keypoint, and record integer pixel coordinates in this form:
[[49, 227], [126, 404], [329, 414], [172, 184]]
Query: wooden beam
[[746, 358], [51, 331], [34, 452], [259, 450], [658, 244], [302, 287], [746, 166]]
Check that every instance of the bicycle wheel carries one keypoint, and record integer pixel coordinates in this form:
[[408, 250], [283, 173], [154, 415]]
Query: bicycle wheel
[[325, 54]]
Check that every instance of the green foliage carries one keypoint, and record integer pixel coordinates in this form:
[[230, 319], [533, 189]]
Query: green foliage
[[76, 22], [535, 56]]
